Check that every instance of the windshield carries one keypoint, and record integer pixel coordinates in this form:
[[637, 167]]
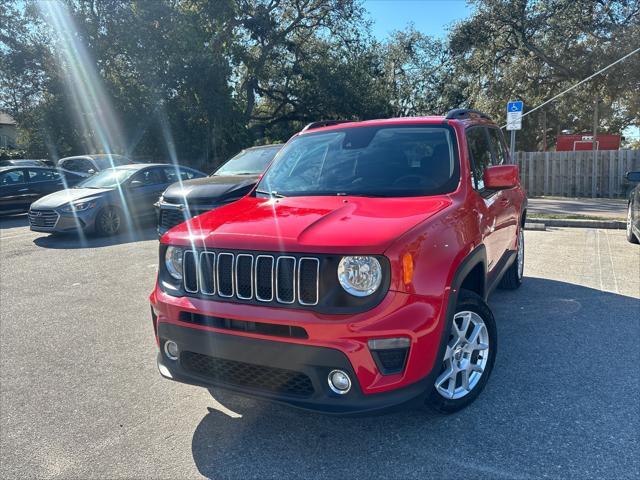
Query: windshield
[[108, 161], [377, 161], [109, 178], [249, 162]]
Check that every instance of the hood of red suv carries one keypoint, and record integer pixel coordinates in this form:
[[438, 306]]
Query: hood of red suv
[[333, 224]]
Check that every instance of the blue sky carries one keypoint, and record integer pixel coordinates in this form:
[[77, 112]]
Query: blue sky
[[432, 17]]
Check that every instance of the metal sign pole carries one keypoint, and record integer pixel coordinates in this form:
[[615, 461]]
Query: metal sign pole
[[512, 148]]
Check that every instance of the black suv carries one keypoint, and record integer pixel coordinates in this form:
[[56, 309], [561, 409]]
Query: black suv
[[230, 182]]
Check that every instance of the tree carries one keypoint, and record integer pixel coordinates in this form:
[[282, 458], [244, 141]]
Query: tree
[[533, 49]]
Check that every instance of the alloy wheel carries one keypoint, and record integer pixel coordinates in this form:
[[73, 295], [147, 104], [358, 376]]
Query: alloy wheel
[[466, 356], [110, 221]]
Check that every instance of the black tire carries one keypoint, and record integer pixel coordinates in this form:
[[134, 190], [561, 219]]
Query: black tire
[[631, 238], [108, 221], [467, 302], [512, 278]]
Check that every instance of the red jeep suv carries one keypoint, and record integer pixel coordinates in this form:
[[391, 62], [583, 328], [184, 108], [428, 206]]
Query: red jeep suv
[[354, 277]]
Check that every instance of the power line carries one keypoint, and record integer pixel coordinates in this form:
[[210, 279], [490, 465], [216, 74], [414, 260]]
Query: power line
[[580, 83]]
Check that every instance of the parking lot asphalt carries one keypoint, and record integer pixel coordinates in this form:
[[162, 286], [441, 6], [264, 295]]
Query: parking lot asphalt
[[80, 396]]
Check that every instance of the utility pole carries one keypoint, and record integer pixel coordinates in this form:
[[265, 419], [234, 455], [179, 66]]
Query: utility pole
[[594, 145]]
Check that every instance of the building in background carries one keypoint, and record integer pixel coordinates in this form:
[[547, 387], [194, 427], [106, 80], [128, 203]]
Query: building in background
[[8, 131], [578, 142]]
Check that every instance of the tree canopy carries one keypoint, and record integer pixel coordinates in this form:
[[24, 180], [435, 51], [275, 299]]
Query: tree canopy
[[195, 80]]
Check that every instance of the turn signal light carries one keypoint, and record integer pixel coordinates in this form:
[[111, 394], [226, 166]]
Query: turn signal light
[[407, 268]]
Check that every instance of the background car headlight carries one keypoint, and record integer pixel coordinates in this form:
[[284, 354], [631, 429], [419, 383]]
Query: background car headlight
[[78, 206], [173, 262], [360, 275]]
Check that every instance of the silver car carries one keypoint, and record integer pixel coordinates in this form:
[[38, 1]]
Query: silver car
[[107, 201], [87, 165]]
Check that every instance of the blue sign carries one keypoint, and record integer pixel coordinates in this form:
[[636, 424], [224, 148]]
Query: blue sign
[[514, 107]]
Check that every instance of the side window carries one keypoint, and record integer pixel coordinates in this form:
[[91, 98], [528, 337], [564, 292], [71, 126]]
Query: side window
[[85, 166], [70, 165], [151, 176], [172, 174], [42, 175], [78, 165], [187, 174], [499, 149], [14, 177], [480, 153]]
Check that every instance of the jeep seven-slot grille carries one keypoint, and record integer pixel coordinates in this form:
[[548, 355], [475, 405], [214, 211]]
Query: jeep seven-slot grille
[[242, 374], [245, 276]]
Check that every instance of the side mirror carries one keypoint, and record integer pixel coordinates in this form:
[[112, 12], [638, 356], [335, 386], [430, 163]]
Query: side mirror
[[633, 176], [136, 184], [91, 171], [501, 176]]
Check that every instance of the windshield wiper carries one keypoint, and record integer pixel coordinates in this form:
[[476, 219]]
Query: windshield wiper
[[364, 194], [272, 193]]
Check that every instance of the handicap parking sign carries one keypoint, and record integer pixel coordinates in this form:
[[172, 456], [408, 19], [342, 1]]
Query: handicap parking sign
[[514, 115], [514, 107]]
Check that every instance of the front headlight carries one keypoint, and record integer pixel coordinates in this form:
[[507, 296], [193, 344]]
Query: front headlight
[[78, 206], [173, 262], [360, 275]]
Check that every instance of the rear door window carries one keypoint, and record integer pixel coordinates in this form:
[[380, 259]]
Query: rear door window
[[41, 175], [174, 174], [500, 155], [480, 153]]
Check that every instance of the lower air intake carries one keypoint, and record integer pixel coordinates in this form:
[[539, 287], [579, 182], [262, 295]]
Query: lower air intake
[[240, 374]]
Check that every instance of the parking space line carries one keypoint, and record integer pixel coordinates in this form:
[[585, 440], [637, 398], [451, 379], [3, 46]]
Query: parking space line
[[599, 259], [613, 269]]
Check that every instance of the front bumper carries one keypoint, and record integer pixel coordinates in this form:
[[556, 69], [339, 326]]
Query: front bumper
[[311, 362], [66, 222], [334, 342]]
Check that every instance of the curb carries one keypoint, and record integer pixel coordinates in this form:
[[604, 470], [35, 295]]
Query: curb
[[534, 226], [579, 223]]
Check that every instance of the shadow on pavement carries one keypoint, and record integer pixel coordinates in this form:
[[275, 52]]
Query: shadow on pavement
[[73, 240], [14, 221], [561, 402]]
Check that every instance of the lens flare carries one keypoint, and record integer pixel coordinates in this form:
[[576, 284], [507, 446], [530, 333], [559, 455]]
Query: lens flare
[[98, 124]]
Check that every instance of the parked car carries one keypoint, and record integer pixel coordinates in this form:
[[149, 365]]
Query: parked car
[[87, 165], [633, 209], [20, 186], [107, 201], [24, 162], [355, 276], [233, 180]]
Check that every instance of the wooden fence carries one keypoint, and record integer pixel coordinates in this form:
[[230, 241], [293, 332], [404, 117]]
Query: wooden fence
[[571, 174]]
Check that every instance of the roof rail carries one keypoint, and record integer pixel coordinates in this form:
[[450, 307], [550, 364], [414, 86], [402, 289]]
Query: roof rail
[[323, 123], [462, 113]]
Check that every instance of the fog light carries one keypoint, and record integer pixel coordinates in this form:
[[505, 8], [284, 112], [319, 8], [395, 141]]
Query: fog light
[[339, 382], [171, 350]]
